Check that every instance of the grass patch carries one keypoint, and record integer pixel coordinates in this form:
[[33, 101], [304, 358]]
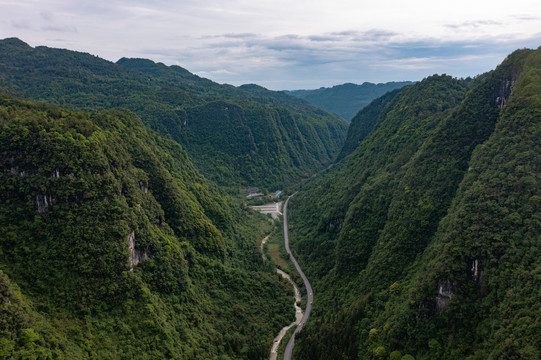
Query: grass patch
[[273, 250]]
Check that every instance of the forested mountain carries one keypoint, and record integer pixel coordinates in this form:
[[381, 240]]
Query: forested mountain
[[347, 99], [236, 136], [363, 123], [115, 243], [113, 246], [425, 238]]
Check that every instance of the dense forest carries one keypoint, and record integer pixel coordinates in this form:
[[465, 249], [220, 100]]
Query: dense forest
[[423, 241], [113, 246], [238, 137], [347, 99], [119, 237]]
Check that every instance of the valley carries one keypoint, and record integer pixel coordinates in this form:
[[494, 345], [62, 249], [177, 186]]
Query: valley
[[140, 216], [300, 316], [308, 288]]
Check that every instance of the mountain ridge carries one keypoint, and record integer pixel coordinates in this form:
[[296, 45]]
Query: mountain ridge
[[167, 98], [346, 100], [420, 221]]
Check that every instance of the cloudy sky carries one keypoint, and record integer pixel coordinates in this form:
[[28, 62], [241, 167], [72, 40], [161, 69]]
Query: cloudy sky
[[300, 44]]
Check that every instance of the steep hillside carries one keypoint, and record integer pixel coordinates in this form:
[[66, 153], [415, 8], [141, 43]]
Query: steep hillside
[[347, 99], [363, 123], [424, 240], [238, 138], [113, 246]]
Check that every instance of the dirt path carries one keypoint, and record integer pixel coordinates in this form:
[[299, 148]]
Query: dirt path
[[298, 310], [298, 316], [263, 244]]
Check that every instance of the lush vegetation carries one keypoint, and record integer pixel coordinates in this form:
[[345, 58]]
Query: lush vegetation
[[347, 99], [421, 242], [113, 246], [239, 137], [424, 239], [363, 123]]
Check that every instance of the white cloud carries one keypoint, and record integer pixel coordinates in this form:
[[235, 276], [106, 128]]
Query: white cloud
[[20, 24], [281, 43], [61, 28], [215, 72], [46, 15]]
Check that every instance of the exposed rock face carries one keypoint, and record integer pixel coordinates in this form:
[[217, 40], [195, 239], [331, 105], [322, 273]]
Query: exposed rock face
[[17, 172], [505, 92], [476, 272], [475, 269], [136, 255], [143, 186], [335, 224], [44, 202], [444, 296]]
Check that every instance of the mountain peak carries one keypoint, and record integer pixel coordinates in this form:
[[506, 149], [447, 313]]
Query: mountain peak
[[147, 65], [14, 42]]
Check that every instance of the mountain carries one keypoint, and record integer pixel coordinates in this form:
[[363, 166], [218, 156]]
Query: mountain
[[365, 120], [347, 99], [424, 238], [238, 137], [113, 246]]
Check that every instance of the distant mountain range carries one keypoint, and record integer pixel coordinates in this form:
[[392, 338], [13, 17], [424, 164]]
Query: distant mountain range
[[347, 99]]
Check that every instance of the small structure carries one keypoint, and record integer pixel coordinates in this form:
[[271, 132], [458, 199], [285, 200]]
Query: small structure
[[271, 208]]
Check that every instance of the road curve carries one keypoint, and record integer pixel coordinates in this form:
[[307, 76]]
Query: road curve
[[298, 316], [310, 294]]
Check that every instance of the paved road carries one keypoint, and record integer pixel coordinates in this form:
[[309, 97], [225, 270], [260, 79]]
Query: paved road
[[310, 297]]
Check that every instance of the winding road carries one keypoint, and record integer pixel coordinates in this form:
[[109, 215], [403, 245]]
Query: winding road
[[300, 317], [309, 292]]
